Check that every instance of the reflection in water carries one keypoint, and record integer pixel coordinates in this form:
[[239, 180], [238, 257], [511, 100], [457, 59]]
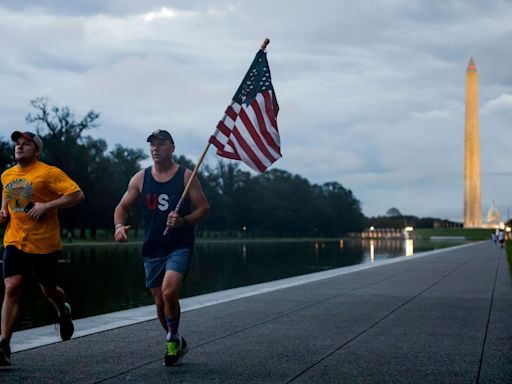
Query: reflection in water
[[378, 249], [107, 278], [409, 247]]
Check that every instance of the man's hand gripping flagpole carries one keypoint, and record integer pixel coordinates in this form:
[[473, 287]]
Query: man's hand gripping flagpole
[[187, 187]]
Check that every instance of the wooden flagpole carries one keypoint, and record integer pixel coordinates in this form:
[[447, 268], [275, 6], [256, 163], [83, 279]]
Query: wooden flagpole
[[189, 183], [194, 173], [264, 44], [196, 168]]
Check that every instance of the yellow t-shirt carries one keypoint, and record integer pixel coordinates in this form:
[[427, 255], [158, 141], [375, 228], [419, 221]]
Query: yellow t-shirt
[[38, 183]]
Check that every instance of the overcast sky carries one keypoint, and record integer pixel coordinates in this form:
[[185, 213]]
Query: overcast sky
[[372, 93]]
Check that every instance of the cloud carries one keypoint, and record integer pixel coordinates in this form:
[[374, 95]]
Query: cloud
[[371, 94], [501, 104], [163, 13]]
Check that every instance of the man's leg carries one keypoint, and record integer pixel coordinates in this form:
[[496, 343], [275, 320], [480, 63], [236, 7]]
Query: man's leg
[[154, 269], [170, 293], [15, 265], [164, 277], [11, 304], [10, 311], [45, 267], [159, 302], [176, 346], [167, 305], [56, 296], [176, 270]]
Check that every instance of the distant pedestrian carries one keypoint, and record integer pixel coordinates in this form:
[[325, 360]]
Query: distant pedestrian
[[494, 238], [32, 194], [166, 255], [501, 238]]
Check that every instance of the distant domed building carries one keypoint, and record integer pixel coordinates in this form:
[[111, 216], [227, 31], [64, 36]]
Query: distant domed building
[[393, 212], [493, 216]]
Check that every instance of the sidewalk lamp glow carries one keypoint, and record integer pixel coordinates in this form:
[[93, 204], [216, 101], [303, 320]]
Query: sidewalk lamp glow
[[408, 229], [372, 228], [508, 229]]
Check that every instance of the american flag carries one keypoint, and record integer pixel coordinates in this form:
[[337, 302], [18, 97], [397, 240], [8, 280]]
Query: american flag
[[248, 131]]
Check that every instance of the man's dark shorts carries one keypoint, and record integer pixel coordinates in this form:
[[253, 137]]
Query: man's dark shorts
[[44, 267], [155, 268]]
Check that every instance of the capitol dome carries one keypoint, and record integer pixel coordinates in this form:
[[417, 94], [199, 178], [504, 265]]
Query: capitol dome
[[493, 215], [393, 212]]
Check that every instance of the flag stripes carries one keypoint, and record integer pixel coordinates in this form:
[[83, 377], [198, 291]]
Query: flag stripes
[[248, 130], [249, 133]]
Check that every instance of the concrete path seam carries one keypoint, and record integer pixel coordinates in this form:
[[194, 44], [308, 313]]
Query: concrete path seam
[[255, 325], [488, 320], [377, 322], [298, 310]]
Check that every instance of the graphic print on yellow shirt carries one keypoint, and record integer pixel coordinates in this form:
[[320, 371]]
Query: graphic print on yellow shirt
[[38, 183], [18, 194]]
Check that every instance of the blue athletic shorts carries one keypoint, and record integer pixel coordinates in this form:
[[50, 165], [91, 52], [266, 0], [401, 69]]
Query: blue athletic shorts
[[42, 266], [156, 267]]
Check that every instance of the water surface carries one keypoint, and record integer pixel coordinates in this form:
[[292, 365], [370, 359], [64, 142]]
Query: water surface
[[100, 279]]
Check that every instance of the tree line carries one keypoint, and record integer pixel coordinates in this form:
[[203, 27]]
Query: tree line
[[275, 203]]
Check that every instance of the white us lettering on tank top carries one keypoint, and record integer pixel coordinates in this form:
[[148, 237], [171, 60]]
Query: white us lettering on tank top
[[163, 202]]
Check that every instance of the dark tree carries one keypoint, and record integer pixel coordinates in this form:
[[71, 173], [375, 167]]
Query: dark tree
[[275, 203], [60, 121], [102, 176], [6, 155]]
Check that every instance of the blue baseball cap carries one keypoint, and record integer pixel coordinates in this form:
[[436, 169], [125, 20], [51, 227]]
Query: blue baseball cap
[[162, 135]]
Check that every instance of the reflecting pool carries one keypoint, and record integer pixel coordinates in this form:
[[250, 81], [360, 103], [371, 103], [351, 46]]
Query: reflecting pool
[[110, 277]]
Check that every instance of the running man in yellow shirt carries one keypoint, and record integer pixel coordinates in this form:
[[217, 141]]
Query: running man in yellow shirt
[[32, 193]]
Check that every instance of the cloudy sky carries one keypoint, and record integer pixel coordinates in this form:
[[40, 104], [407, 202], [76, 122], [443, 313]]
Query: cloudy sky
[[372, 93]]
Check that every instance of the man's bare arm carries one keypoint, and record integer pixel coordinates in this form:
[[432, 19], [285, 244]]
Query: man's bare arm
[[127, 201], [66, 201], [4, 211]]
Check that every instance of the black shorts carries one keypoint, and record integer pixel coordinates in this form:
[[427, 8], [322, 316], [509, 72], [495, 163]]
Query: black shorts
[[44, 267]]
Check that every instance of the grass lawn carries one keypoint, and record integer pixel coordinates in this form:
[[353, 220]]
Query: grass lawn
[[468, 233], [508, 246]]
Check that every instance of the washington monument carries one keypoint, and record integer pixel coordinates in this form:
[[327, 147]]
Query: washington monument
[[472, 198]]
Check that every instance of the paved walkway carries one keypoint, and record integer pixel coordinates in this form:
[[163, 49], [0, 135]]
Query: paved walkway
[[439, 317]]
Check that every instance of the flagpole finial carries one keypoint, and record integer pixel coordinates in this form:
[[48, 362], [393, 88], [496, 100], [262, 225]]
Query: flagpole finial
[[265, 43]]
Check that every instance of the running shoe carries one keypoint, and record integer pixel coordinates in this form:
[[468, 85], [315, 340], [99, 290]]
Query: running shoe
[[5, 355], [66, 324], [175, 350]]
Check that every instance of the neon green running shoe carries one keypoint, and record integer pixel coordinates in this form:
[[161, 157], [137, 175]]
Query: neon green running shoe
[[175, 350]]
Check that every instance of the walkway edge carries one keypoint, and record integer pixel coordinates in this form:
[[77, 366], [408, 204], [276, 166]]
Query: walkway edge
[[49, 334]]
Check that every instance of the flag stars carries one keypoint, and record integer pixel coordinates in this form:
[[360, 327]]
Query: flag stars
[[245, 139], [256, 80]]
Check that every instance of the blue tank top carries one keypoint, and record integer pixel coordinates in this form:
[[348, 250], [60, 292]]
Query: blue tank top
[[157, 200]]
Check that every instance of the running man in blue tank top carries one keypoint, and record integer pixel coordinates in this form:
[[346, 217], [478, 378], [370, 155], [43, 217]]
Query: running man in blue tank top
[[166, 256]]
